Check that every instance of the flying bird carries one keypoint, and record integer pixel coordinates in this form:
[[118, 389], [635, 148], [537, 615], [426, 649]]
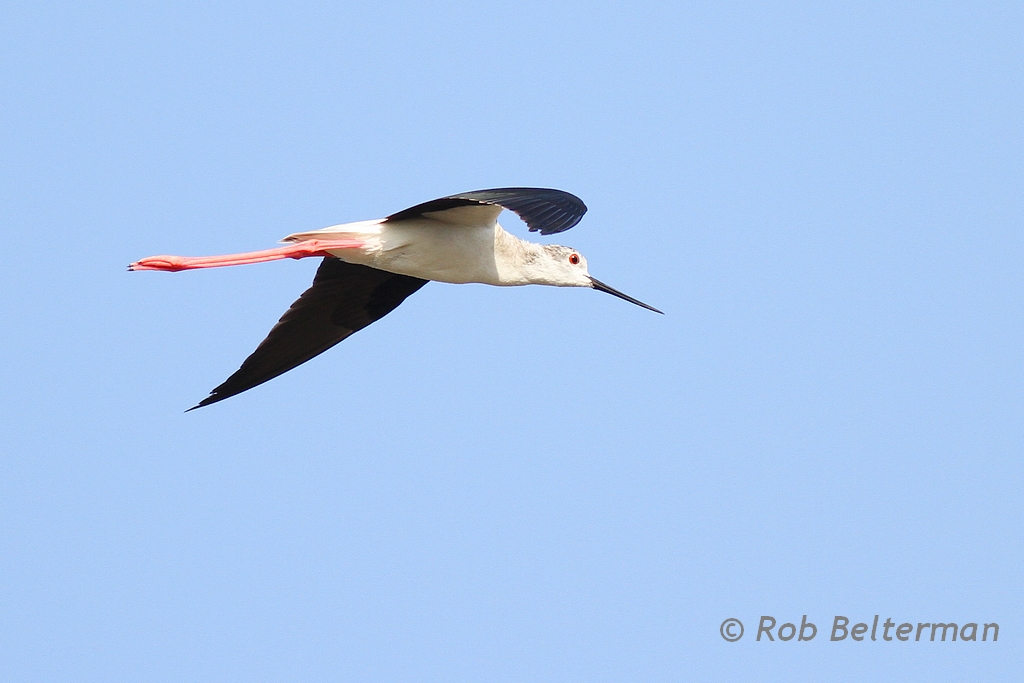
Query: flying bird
[[370, 267]]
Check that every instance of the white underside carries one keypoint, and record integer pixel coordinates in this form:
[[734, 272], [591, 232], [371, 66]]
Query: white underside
[[420, 247], [428, 249], [468, 245]]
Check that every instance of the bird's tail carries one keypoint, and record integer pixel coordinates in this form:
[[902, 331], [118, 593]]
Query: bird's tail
[[361, 231]]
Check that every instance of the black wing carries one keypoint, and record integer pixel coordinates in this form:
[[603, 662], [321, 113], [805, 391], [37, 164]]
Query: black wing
[[543, 210], [344, 298]]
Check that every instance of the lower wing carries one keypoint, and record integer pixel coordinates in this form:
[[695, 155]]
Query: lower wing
[[344, 298]]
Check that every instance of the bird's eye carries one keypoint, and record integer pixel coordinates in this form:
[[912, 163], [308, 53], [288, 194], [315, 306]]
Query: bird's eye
[[574, 259]]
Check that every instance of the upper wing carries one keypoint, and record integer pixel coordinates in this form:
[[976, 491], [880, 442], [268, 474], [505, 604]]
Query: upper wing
[[546, 211], [344, 298]]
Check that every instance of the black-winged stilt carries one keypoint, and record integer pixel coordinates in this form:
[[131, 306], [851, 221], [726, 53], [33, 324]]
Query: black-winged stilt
[[370, 267]]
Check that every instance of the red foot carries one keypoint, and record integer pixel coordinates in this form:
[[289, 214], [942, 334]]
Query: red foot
[[299, 250]]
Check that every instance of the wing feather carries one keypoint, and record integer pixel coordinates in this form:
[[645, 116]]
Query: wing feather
[[344, 298], [543, 210]]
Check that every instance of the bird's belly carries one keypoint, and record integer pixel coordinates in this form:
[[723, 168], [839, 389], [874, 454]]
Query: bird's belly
[[431, 251]]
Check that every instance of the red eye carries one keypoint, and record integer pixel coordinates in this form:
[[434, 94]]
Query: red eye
[[574, 259]]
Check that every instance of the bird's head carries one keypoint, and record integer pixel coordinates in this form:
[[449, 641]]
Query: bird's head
[[568, 268]]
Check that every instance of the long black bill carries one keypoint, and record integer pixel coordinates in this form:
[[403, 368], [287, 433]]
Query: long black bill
[[602, 287]]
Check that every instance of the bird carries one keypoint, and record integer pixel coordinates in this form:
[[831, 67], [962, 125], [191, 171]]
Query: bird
[[370, 267]]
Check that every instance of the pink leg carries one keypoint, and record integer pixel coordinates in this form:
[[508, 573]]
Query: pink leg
[[299, 250]]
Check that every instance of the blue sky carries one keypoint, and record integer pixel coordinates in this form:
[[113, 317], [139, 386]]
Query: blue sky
[[525, 483]]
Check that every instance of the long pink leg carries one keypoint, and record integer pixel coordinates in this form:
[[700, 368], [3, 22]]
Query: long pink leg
[[299, 250]]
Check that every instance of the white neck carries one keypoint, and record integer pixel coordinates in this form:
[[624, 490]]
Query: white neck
[[520, 262]]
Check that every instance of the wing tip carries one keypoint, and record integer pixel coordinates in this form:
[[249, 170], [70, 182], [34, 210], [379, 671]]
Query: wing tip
[[201, 404], [214, 397]]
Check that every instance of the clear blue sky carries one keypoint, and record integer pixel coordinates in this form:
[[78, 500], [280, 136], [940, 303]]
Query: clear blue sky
[[527, 484]]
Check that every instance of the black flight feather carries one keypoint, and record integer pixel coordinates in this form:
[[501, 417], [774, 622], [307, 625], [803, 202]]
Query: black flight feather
[[344, 298], [543, 210]]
